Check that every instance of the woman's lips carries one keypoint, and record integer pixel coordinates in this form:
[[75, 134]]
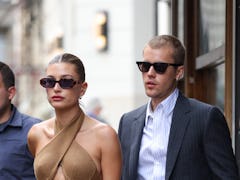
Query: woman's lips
[[57, 98]]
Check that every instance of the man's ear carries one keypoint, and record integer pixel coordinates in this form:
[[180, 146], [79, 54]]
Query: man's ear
[[180, 73], [11, 92]]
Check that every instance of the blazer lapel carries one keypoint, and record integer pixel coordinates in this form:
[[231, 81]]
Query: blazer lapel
[[179, 124], [136, 137]]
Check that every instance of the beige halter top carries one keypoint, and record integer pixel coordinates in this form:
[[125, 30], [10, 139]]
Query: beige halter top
[[63, 151]]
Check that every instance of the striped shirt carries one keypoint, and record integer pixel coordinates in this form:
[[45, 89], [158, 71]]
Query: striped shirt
[[153, 151]]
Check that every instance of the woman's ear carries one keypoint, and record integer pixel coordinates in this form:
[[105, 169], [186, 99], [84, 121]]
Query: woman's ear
[[83, 89]]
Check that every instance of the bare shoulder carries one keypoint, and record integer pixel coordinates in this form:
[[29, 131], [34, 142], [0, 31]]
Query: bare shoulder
[[40, 130], [109, 144], [38, 134], [101, 133], [106, 134], [97, 127], [104, 130]]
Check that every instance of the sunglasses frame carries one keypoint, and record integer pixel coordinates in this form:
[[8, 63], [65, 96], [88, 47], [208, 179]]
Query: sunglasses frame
[[159, 67], [52, 83]]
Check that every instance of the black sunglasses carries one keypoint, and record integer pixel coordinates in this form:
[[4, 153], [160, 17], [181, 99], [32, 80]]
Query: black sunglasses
[[159, 67], [64, 83]]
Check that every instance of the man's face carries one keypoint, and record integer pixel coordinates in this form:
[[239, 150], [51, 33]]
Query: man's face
[[5, 97], [159, 86]]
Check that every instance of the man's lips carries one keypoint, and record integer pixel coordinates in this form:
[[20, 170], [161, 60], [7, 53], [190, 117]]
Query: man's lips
[[150, 84]]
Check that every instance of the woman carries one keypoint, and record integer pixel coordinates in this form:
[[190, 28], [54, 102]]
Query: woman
[[72, 145]]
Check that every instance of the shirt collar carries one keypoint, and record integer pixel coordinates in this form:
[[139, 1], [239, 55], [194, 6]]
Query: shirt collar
[[14, 122], [167, 104]]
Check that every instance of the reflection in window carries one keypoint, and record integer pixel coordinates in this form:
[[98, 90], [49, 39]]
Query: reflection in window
[[214, 85], [220, 85], [212, 25]]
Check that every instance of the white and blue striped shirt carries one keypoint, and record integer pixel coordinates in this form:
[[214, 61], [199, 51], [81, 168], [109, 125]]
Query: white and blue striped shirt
[[153, 151]]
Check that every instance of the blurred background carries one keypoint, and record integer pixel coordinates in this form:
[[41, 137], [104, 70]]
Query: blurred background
[[108, 36]]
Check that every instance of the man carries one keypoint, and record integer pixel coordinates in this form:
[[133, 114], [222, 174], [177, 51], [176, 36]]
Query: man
[[94, 109], [15, 159], [173, 137]]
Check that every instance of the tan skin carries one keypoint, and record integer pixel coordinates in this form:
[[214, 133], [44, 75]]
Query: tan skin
[[6, 96], [98, 139], [160, 86]]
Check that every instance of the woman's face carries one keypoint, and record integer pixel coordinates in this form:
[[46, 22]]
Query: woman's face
[[60, 97]]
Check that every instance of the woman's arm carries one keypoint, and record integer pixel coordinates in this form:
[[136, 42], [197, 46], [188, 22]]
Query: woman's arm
[[32, 140], [111, 155]]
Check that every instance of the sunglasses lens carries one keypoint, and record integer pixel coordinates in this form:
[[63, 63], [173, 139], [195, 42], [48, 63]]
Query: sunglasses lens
[[47, 82], [160, 67], [67, 83], [144, 66]]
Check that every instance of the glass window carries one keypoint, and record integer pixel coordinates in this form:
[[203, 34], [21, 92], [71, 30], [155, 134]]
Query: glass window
[[220, 85], [212, 25]]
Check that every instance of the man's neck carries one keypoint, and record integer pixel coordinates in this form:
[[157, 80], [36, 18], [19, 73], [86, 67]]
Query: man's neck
[[5, 114]]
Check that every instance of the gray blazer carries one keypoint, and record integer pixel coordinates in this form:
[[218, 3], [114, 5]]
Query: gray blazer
[[199, 145]]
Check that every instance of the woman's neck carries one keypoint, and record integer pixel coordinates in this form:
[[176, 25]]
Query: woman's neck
[[65, 117]]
